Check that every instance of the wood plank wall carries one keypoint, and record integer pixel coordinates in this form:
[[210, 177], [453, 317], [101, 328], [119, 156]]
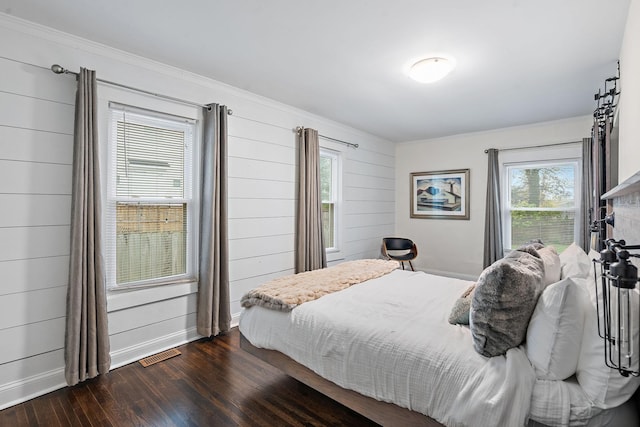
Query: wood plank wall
[[36, 125], [36, 142], [262, 202]]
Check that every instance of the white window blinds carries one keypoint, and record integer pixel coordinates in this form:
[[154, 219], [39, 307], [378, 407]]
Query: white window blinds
[[150, 160], [151, 197]]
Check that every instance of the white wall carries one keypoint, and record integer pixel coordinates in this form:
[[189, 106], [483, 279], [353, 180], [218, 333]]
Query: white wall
[[629, 104], [36, 125], [455, 247]]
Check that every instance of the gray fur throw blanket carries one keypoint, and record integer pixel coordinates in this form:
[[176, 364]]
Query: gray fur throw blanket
[[287, 292]]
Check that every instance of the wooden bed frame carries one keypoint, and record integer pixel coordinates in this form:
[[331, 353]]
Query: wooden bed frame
[[383, 413]]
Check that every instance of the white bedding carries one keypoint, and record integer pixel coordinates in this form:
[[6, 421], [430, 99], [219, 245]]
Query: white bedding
[[389, 338]]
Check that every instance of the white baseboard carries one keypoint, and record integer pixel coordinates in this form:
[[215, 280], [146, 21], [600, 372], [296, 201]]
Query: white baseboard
[[235, 320], [28, 388], [20, 391], [147, 348]]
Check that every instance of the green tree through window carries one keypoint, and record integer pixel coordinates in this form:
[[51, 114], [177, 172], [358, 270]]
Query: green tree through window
[[542, 203]]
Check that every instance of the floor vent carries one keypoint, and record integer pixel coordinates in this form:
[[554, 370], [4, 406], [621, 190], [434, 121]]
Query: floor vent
[[168, 354]]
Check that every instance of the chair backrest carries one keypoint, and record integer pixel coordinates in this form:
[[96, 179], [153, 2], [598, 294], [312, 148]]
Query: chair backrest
[[397, 243]]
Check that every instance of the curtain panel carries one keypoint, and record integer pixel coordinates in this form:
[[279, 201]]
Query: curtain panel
[[86, 350], [310, 252], [493, 245], [587, 213], [213, 312]]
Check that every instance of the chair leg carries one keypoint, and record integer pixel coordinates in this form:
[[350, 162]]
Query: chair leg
[[402, 262], [412, 269]]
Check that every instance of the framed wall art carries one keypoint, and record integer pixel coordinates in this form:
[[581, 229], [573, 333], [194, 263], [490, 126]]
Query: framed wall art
[[440, 194]]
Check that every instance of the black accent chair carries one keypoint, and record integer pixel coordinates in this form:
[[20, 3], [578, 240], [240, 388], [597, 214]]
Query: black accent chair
[[401, 250]]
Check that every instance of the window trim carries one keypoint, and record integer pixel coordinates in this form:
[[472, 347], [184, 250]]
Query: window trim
[[532, 157], [334, 253], [110, 198]]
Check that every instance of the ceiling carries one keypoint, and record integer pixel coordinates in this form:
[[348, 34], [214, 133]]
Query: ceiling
[[518, 61]]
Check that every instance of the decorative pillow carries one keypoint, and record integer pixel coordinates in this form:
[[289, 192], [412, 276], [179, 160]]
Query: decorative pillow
[[604, 386], [555, 330], [536, 243], [552, 266], [504, 299], [460, 311], [531, 248], [575, 262]]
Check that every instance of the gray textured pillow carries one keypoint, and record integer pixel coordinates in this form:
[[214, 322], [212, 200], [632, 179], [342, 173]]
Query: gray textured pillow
[[460, 312], [504, 299]]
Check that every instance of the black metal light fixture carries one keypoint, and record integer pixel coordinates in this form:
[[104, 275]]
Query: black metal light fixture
[[597, 229], [620, 307]]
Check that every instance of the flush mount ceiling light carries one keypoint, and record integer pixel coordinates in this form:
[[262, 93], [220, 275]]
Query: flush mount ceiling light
[[432, 69]]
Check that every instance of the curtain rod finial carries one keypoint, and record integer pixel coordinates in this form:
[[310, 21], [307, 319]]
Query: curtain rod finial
[[57, 69]]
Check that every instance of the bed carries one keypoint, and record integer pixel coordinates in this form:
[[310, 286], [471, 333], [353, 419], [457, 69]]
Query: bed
[[385, 347]]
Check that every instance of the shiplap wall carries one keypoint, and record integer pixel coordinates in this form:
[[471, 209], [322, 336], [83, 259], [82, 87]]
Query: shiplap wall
[[262, 202], [36, 122], [36, 142]]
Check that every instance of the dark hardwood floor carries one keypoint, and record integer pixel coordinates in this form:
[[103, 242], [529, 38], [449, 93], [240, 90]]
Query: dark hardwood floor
[[213, 383]]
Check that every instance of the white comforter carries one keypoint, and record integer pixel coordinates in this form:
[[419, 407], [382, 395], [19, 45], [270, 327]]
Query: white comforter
[[389, 339]]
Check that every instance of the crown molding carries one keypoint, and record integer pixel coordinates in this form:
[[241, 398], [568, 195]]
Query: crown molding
[[516, 128]]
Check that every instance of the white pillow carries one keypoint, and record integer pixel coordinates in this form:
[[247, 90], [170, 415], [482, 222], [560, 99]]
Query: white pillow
[[552, 266], [555, 330], [593, 254], [575, 262], [604, 386]]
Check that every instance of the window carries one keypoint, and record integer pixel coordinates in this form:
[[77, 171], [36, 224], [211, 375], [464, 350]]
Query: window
[[150, 205], [329, 186], [542, 201]]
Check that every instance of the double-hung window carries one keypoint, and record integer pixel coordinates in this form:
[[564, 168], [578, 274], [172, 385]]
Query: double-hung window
[[150, 205], [329, 189], [541, 199]]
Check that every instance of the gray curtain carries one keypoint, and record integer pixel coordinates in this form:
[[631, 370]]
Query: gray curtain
[[310, 253], [86, 351], [493, 248], [586, 214], [214, 312]]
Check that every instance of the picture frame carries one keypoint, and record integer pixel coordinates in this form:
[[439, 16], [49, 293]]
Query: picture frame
[[440, 194]]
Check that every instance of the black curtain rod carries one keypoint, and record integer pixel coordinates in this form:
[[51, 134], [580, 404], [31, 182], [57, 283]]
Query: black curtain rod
[[350, 144], [534, 146], [58, 69]]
